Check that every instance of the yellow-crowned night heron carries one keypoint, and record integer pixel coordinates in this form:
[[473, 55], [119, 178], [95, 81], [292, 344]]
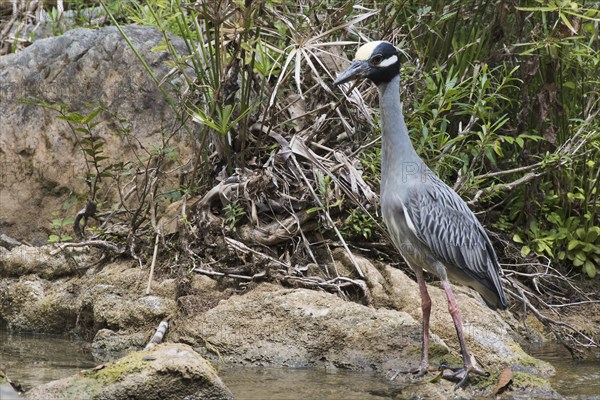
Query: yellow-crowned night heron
[[428, 222]]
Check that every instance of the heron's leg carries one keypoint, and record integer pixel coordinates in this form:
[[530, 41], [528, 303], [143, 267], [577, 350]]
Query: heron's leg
[[470, 364], [426, 309]]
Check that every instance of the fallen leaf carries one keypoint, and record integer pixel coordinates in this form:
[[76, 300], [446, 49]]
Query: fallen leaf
[[504, 380]]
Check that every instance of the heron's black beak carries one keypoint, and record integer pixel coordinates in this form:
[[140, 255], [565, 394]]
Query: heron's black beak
[[356, 70]]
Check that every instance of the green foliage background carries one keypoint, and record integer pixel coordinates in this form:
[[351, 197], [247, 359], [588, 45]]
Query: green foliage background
[[501, 99]]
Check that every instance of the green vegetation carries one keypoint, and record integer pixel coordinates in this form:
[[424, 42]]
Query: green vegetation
[[60, 228], [502, 102], [115, 372], [234, 211]]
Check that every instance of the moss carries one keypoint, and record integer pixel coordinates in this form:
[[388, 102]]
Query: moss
[[440, 355], [82, 388], [522, 380], [488, 382], [46, 305], [436, 350], [524, 359], [115, 372]]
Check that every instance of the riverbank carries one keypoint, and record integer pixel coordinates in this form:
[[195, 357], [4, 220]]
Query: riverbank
[[263, 325]]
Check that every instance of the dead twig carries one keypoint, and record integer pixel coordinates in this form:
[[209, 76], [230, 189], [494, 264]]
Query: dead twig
[[104, 244], [504, 186], [327, 216], [227, 275], [245, 249], [154, 254]]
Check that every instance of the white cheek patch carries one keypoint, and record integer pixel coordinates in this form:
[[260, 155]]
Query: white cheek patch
[[388, 61], [366, 50]]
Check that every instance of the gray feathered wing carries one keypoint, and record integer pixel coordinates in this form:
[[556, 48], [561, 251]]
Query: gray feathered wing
[[443, 221]]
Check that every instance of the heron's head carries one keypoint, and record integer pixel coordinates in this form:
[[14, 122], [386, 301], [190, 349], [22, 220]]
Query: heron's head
[[378, 61]]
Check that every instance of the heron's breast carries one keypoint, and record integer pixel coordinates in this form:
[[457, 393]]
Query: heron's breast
[[399, 229]]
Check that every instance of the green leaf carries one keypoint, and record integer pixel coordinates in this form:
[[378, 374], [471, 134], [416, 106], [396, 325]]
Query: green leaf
[[547, 8], [525, 251], [580, 259], [91, 116], [566, 21], [589, 268], [592, 234], [572, 244], [490, 155], [498, 148], [517, 239], [74, 117], [544, 247], [520, 142]]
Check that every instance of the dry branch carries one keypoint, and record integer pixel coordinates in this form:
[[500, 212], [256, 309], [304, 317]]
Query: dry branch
[[279, 231], [104, 244]]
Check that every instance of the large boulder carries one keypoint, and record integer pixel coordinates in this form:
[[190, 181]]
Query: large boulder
[[41, 163], [112, 298], [44, 261], [271, 326], [169, 371]]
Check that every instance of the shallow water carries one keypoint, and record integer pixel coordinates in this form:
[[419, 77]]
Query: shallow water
[[255, 383], [34, 359], [574, 379]]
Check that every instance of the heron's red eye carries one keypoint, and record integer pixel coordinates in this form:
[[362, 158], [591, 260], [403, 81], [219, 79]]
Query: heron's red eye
[[376, 59]]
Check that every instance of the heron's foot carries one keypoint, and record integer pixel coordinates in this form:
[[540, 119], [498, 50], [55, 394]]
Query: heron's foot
[[461, 374], [417, 372]]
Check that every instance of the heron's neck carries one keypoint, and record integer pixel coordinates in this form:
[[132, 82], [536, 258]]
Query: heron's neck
[[398, 157]]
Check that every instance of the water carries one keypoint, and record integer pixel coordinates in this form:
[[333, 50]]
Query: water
[[33, 359], [576, 380], [255, 383]]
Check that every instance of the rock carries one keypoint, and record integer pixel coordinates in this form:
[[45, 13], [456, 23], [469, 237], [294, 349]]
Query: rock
[[7, 242], [124, 312], [32, 304], [112, 298], [41, 163], [169, 371], [107, 343], [46, 261], [489, 337], [271, 326]]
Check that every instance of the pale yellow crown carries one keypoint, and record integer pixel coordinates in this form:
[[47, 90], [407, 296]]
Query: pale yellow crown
[[366, 50]]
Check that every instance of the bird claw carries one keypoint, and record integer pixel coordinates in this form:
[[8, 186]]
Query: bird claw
[[462, 373], [417, 372]]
